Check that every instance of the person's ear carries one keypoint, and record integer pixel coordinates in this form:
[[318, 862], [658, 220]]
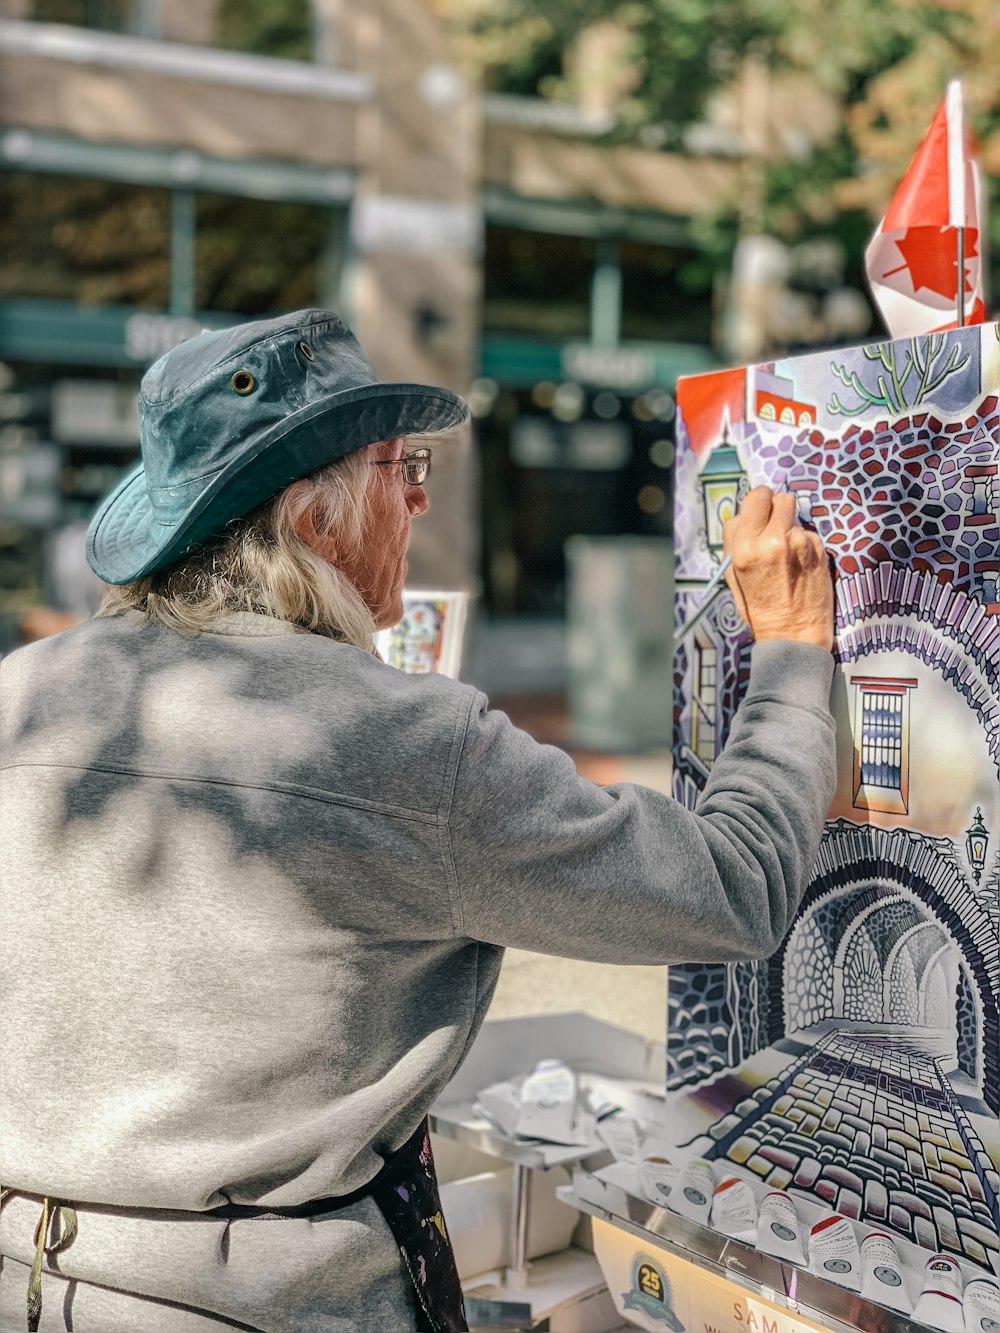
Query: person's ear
[[305, 530]]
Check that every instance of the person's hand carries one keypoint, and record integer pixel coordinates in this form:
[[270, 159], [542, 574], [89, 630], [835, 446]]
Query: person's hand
[[780, 576]]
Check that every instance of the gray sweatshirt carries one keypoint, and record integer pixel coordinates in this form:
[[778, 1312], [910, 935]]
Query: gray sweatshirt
[[255, 888]]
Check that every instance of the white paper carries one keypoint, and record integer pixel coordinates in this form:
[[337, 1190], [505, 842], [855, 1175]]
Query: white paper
[[500, 1104]]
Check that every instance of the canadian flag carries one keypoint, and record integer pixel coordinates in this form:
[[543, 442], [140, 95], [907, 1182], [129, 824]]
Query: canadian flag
[[913, 258]]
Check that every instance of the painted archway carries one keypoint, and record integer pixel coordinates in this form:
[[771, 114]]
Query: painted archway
[[862, 869]]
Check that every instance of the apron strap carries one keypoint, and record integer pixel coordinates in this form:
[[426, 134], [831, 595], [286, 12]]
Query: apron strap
[[407, 1197], [406, 1194]]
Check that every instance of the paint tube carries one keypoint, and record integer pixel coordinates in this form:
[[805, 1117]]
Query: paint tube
[[734, 1210], [834, 1253], [620, 1133], [779, 1231], [881, 1275], [981, 1306], [692, 1195], [598, 1103], [940, 1301], [548, 1103], [656, 1177]]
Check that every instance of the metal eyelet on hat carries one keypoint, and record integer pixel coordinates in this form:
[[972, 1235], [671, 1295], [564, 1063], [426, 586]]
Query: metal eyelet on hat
[[243, 382], [307, 351]]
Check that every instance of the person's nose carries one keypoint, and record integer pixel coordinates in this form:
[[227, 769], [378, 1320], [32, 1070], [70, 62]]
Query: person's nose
[[417, 500]]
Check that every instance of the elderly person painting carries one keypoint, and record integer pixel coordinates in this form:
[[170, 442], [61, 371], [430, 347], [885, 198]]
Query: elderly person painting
[[256, 884]]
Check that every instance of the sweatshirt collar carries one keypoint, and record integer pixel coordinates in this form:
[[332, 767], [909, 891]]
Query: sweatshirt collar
[[239, 624]]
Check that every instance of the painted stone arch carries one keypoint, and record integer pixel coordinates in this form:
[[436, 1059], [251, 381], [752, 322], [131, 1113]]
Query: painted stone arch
[[871, 929], [916, 977], [862, 889], [808, 980], [863, 982], [865, 960], [937, 1010], [968, 1025], [836, 955]]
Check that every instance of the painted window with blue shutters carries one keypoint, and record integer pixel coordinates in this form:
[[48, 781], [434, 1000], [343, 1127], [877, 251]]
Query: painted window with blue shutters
[[882, 743]]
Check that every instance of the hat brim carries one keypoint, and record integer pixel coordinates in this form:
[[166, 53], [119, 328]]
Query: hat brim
[[126, 541]]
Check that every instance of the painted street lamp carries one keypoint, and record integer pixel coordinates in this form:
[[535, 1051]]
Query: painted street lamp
[[722, 482], [976, 839]]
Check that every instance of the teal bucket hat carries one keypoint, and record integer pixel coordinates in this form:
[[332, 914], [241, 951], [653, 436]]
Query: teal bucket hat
[[230, 418]]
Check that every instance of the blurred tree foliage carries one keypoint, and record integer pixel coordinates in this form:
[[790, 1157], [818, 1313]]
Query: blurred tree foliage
[[83, 240], [880, 67], [258, 256], [282, 28], [97, 242]]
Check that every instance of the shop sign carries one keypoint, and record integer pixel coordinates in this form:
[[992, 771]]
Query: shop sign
[[148, 335], [64, 333], [612, 367]]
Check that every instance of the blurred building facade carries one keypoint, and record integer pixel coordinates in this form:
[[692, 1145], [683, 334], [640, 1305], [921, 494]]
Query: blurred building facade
[[171, 165]]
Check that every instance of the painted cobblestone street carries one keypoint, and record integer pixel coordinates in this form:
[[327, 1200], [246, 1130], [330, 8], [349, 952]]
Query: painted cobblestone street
[[867, 1124]]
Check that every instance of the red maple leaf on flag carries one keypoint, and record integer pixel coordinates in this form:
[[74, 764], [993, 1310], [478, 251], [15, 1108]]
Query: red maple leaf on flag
[[930, 255]]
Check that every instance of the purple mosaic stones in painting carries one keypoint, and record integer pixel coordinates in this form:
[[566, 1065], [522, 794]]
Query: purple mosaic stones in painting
[[882, 1001]]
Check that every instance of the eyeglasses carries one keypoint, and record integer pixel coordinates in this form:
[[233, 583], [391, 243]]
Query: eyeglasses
[[416, 465]]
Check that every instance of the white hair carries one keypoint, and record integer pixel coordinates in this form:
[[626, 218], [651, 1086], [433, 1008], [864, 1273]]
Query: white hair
[[260, 563]]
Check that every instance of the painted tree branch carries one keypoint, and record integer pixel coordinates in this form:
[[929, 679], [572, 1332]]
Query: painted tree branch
[[922, 358], [851, 380], [886, 353], [929, 382]]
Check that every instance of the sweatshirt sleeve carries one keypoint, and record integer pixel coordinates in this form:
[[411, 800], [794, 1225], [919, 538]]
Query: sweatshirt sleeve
[[545, 860]]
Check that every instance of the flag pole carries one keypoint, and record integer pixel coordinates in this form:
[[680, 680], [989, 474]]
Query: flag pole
[[957, 201]]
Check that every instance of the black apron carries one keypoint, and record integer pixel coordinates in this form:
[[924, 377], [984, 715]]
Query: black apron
[[406, 1194]]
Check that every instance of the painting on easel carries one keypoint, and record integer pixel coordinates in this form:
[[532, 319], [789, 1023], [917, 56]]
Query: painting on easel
[[860, 1065]]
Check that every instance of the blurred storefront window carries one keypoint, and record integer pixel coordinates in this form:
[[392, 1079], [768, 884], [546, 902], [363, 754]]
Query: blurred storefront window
[[536, 283], [89, 241], [106, 15], [256, 256], [105, 243], [281, 28], [68, 433], [655, 302], [557, 464]]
